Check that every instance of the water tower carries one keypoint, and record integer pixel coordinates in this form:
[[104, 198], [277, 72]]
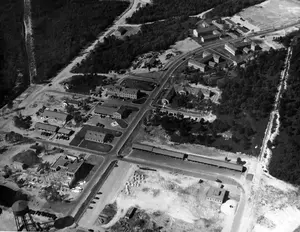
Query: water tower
[[23, 217]]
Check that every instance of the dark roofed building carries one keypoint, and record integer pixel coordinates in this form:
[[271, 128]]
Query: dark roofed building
[[45, 127], [207, 38], [203, 31], [59, 116]]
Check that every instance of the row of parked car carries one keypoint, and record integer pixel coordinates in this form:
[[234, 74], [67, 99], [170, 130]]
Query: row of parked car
[[44, 214]]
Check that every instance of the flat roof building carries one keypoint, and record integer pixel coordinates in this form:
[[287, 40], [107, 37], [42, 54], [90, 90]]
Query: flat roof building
[[94, 136], [45, 127], [216, 194], [59, 116]]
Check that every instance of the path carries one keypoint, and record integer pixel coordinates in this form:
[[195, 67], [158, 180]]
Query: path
[[270, 134], [29, 40]]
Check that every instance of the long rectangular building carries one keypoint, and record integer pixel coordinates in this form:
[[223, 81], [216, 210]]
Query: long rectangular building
[[59, 116], [46, 127], [230, 48], [119, 91], [197, 65]]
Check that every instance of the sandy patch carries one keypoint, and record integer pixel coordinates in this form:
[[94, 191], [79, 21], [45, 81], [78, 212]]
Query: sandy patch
[[176, 196], [279, 207], [272, 13]]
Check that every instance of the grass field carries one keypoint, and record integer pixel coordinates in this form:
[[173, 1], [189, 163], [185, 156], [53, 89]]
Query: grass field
[[138, 84], [102, 147]]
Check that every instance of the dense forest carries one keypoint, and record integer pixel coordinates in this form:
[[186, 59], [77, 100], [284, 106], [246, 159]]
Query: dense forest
[[246, 103], [63, 27], [164, 9], [117, 54], [12, 50], [285, 161], [231, 7], [254, 89]]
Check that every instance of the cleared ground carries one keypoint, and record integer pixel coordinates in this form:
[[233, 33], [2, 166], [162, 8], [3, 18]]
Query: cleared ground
[[272, 13], [171, 201]]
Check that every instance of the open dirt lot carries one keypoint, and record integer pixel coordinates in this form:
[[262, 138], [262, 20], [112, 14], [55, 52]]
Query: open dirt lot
[[272, 13], [171, 201]]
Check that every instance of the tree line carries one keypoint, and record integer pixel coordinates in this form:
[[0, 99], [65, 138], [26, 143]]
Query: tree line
[[117, 54], [164, 9], [255, 88], [231, 7], [13, 66], [63, 27], [285, 161]]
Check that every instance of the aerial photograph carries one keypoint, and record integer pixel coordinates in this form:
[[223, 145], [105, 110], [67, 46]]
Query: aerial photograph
[[150, 115]]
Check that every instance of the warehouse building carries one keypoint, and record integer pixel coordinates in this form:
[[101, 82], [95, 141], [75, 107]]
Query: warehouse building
[[216, 195], [94, 136], [46, 127]]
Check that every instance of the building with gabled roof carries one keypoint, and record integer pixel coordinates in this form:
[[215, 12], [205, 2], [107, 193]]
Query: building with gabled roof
[[203, 31], [229, 22], [64, 131], [59, 116], [205, 53], [46, 127], [216, 58], [119, 91], [104, 110], [230, 48], [207, 38], [197, 65]]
